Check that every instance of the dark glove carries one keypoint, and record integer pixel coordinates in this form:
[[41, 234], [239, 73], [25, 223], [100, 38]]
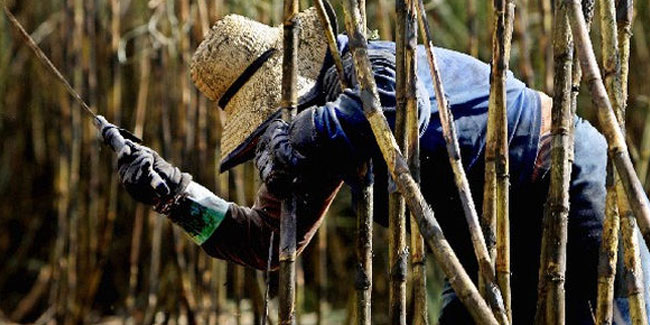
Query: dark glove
[[277, 160], [138, 165]]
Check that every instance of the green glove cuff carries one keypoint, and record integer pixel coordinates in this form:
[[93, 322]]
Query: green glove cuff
[[199, 212]]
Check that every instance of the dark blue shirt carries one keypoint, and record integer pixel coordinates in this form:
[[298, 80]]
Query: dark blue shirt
[[339, 115]]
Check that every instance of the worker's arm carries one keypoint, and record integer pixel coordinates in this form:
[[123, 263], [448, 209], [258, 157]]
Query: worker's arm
[[335, 135], [241, 234], [245, 233], [223, 229]]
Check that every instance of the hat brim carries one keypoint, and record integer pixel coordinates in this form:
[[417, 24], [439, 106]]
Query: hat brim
[[246, 150]]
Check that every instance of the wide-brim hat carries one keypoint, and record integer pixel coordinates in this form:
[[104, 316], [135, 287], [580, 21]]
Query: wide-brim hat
[[239, 65]]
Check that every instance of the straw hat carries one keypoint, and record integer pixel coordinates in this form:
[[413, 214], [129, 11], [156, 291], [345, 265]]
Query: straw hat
[[239, 64]]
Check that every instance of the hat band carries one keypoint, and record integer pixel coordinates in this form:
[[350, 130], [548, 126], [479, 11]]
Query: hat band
[[244, 77]]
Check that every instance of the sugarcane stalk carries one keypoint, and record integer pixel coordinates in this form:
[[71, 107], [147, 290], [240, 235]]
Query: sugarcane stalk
[[187, 115], [610, 59], [62, 193], [255, 293], [488, 220], [267, 281], [158, 222], [643, 54], [300, 289], [588, 9], [418, 264], [364, 15], [503, 178], [73, 300], [363, 198], [613, 134], [187, 290], [428, 225], [331, 41], [204, 21], [397, 248], [614, 85], [546, 45], [551, 292], [632, 273], [321, 274], [238, 195], [154, 269], [221, 268], [496, 189], [486, 270], [522, 34], [363, 277], [383, 19], [114, 111], [472, 28], [624, 17], [608, 253], [612, 224], [134, 258], [616, 71], [364, 211], [418, 253], [644, 161], [287, 254]]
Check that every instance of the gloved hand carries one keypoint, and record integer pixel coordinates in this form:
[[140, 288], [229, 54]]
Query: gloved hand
[[138, 166], [277, 160]]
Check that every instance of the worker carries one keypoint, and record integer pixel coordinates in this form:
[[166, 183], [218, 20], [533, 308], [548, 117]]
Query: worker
[[239, 65]]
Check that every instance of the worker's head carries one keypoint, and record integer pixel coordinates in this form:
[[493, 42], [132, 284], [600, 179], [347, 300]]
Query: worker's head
[[239, 65]]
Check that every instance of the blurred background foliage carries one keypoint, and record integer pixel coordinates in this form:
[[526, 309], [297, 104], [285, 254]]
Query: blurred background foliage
[[75, 248]]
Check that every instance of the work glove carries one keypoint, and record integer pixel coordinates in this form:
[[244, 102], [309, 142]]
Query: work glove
[[277, 160], [146, 176]]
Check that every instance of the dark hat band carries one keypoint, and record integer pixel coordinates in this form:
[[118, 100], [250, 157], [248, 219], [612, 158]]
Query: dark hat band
[[244, 77]]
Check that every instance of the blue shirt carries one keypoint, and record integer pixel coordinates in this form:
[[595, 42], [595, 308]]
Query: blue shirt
[[338, 115]]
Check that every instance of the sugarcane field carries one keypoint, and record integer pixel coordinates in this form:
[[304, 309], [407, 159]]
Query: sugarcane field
[[324, 162]]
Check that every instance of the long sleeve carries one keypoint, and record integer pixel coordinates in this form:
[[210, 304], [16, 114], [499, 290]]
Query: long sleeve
[[240, 234], [333, 131]]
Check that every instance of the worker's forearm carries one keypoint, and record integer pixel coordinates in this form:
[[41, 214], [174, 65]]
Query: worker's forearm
[[224, 229], [241, 234]]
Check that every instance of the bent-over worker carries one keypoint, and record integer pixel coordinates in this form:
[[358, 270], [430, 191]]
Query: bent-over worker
[[239, 65]]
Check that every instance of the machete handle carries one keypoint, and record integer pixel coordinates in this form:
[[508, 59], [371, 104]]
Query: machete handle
[[117, 142]]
